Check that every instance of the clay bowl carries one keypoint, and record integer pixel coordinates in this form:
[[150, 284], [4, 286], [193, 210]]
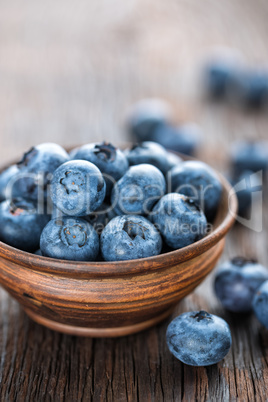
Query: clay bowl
[[107, 299]]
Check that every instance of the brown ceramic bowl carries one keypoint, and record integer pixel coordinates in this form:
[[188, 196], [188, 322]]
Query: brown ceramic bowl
[[102, 299]]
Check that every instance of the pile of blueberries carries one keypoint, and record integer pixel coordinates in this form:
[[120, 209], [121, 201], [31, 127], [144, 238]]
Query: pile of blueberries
[[101, 203]]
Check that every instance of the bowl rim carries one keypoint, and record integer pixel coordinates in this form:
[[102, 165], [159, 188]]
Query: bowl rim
[[95, 269]]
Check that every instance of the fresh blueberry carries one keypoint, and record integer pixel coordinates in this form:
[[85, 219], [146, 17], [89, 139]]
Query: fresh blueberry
[[138, 190], [180, 221], [185, 138], [251, 88], [173, 160], [36, 168], [70, 238], [260, 304], [21, 224], [249, 155], [77, 188], [38, 252], [5, 180], [146, 116], [129, 237], [245, 186], [110, 160], [198, 338], [148, 152], [236, 283], [220, 75], [198, 181]]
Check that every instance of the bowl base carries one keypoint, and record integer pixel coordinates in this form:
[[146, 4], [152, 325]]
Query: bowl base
[[99, 332]]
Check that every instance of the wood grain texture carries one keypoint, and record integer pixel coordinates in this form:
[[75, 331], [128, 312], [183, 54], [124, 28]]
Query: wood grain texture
[[69, 70]]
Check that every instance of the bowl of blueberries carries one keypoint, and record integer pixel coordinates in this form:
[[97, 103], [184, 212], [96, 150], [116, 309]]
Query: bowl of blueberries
[[103, 241]]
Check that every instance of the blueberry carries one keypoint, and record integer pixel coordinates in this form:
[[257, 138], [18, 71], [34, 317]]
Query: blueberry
[[260, 304], [249, 155], [179, 220], [148, 152], [5, 180], [129, 237], [251, 88], [146, 116], [110, 160], [77, 188], [173, 160], [36, 168], [138, 190], [198, 181], [70, 238], [198, 338], [245, 186], [21, 224], [236, 283], [185, 138], [220, 74]]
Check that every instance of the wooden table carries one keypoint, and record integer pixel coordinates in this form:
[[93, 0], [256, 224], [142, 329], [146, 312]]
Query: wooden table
[[69, 70]]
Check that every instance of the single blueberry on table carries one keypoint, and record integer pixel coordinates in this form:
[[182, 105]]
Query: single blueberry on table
[[111, 161], [185, 138], [198, 181], [179, 220], [249, 155], [198, 338], [138, 190], [77, 188], [146, 116], [5, 180], [236, 282], [260, 304], [148, 152], [36, 168], [21, 224], [69, 238], [173, 160], [129, 237]]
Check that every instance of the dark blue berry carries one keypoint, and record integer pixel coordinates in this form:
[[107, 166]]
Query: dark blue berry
[[69, 238], [130, 237], [77, 188], [260, 304], [110, 160], [198, 181], [21, 224], [179, 220], [148, 152], [198, 338], [236, 282], [138, 190]]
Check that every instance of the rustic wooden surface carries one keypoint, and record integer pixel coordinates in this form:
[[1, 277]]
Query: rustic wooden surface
[[68, 72]]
